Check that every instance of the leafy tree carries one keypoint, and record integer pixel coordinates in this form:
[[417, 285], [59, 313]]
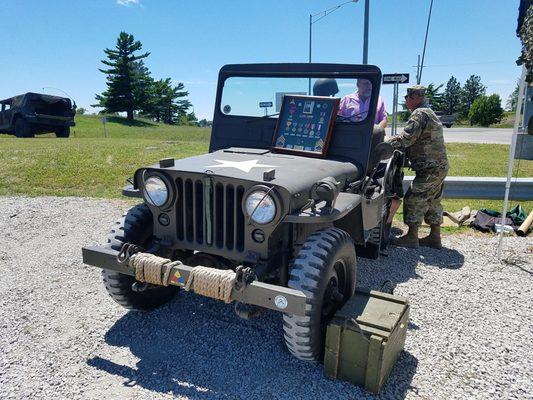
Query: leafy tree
[[188, 119], [166, 103], [451, 98], [126, 79], [513, 97], [80, 111], [472, 89], [486, 110], [434, 96]]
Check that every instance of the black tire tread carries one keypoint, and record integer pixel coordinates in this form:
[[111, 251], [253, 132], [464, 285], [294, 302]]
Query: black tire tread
[[135, 226], [309, 268]]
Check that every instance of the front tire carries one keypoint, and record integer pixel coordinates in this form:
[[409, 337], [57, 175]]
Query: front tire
[[325, 270], [22, 128], [63, 132], [136, 226]]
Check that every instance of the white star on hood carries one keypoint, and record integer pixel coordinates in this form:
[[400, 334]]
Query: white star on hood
[[244, 166]]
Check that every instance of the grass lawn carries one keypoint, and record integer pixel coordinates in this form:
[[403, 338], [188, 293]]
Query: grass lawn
[[87, 164]]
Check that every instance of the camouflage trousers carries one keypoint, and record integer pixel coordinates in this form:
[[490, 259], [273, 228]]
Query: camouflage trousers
[[422, 200]]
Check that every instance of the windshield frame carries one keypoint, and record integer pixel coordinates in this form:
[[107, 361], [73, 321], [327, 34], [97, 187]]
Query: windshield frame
[[303, 70]]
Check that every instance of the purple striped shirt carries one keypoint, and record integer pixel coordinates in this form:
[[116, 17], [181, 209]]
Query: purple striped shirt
[[353, 107]]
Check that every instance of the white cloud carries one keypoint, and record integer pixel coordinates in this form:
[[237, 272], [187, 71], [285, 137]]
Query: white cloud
[[127, 3]]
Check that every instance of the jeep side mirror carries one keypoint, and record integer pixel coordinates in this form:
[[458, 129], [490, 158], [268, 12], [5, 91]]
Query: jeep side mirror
[[384, 151]]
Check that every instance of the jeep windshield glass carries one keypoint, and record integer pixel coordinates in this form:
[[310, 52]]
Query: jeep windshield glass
[[263, 96]]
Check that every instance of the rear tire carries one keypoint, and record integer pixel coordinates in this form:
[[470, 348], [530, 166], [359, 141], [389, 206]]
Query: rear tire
[[63, 132], [22, 129], [325, 270], [136, 226]]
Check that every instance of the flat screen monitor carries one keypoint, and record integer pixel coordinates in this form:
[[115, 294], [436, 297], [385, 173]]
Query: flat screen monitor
[[305, 124]]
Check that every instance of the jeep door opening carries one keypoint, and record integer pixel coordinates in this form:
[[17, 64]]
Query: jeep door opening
[[276, 211]]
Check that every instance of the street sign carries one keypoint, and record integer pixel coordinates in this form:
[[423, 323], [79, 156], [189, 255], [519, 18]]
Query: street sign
[[264, 104], [395, 78]]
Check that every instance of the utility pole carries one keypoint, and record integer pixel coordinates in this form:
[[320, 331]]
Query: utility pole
[[310, 43], [418, 69], [365, 37], [419, 77], [323, 14]]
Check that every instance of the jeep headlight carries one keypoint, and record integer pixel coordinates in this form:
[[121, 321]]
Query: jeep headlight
[[155, 191], [260, 207]]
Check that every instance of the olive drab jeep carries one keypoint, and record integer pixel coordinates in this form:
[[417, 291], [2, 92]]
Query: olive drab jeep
[[33, 113], [274, 215]]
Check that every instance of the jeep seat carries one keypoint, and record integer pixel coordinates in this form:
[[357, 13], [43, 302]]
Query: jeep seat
[[378, 136]]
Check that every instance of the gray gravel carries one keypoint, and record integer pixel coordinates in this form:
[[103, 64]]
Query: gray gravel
[[62, 337]]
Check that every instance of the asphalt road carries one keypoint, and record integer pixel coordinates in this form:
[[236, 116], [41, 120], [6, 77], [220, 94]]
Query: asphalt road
[[475, 135]]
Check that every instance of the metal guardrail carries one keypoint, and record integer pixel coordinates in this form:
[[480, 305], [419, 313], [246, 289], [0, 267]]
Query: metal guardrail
[[469, 187]]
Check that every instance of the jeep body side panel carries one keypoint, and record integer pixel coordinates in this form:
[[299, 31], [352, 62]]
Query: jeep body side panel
[[350, 141]]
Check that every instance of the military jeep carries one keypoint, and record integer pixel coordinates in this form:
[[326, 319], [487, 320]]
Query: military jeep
[[283, 207], [34, 113]]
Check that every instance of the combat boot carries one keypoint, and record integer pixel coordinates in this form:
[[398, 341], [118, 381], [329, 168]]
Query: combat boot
[[433, 239], [410, 239]]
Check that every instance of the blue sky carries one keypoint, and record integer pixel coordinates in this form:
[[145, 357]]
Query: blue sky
[[60, 43]]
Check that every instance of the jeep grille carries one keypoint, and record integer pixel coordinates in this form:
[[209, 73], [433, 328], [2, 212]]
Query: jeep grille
[[209, 213]]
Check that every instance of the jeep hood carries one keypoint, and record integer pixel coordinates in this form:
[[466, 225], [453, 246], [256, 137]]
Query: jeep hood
[[292, 172]]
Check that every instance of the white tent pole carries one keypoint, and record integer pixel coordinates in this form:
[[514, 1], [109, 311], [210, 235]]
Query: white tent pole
[[517, 119]]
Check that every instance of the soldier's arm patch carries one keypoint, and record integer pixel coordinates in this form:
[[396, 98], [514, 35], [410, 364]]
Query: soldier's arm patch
[[414, 127]]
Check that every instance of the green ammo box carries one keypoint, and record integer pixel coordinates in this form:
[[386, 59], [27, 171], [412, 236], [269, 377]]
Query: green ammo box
[[364, 339]]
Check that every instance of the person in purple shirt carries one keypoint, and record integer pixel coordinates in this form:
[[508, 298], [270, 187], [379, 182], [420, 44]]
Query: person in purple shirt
[[355, 106]]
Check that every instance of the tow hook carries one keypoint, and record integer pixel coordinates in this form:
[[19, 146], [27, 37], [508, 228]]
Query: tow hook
[[139, 287], [247, 311], [142, 286]]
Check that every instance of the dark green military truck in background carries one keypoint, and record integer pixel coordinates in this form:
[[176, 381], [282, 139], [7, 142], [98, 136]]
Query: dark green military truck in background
[[278, 207], [32, 113]]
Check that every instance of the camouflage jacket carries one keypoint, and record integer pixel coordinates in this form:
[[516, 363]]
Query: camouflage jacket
[[422, 140]]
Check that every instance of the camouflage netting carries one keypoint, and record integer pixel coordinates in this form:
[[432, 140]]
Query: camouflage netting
[[526, 35]]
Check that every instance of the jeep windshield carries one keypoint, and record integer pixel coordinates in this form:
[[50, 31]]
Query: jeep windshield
[[263, 96]]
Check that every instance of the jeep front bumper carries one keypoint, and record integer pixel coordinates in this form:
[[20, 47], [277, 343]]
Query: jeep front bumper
[[260, 294]]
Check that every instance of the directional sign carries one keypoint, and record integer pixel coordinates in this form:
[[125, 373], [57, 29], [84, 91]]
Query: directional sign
[[265, 104], [395, 78]]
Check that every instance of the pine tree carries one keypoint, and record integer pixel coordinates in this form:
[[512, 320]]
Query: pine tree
[[512, 100], [127, 78], [472, 89], [434, 97], [452, 97], [166, 103]]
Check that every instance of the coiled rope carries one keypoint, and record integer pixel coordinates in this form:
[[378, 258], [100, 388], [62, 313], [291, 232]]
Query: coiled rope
[[152, 269], [210, 282]]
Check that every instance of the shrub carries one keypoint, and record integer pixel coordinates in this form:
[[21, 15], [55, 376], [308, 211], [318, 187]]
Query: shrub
[[486, 110]]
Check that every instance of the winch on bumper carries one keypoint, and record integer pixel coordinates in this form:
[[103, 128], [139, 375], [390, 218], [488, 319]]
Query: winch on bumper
[[256, 293]]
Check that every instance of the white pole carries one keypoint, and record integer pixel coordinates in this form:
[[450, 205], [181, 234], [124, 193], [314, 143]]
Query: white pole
[[517, 120]]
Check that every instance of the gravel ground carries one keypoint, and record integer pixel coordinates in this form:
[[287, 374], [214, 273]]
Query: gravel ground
[[62, 337]]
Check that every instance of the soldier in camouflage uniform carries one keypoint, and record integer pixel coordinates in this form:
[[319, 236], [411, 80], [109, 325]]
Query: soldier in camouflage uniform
[[423, 142]]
